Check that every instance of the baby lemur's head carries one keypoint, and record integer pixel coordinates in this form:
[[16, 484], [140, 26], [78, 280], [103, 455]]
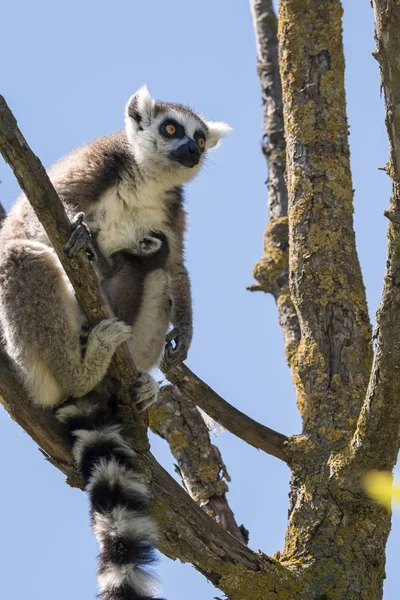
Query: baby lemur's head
[[169, 138]]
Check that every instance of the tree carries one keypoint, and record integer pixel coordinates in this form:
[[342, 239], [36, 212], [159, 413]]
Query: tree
[[346, 393]]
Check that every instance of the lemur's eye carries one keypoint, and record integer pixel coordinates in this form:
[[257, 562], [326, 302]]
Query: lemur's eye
[[200, 138], [170, 129]]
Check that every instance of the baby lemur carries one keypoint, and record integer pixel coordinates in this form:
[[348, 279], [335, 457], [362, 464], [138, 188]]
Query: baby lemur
[[123, 274], [129, 187]]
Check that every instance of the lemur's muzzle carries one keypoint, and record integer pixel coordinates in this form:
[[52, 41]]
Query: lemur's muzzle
[[187, 154]]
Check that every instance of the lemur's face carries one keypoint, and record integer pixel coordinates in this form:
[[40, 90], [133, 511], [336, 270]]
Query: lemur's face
[[169, 137]]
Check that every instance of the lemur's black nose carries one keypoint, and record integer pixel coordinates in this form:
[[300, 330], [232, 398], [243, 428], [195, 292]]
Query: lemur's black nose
[[193, 148], [187, 154]]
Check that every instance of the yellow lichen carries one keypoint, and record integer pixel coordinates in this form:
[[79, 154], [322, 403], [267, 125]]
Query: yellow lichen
[[208, 472]]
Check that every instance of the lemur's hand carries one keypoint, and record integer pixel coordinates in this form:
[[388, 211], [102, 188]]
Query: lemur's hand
[[174, 355], [81, 239], [149, 245]]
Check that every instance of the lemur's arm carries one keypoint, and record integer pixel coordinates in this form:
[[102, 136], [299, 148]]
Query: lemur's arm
[[182, 331], [181, 297]]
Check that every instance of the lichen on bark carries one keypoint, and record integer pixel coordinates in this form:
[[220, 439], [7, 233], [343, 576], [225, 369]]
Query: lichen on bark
[[336, 536], [334, 357]]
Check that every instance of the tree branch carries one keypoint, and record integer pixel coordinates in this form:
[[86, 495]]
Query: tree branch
[[188, 533], [200, 464], [271, 271], [376, 441], [228, 416], [334, 356]]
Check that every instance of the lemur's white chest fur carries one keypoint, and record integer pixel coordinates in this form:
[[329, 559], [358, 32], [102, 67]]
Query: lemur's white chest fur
[[126, 213]]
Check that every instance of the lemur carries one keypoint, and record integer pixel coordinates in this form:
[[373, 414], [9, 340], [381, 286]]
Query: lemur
[[129, 187]]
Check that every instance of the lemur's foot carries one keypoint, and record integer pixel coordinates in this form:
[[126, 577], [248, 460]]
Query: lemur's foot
[[81, 239], [112, 333], [145, 392]]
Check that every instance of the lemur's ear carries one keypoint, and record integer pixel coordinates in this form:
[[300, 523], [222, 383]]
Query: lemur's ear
[[139, 109], [216, 131]]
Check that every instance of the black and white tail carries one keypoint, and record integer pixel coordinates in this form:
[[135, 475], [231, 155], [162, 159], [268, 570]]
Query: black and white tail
[[119, 502]]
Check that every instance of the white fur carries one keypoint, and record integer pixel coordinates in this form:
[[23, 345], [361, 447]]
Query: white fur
[[114, 576], [43, 387], [216, 131], [126, 214], [122, 522], [144, 105], [116, 474], [78, 409]]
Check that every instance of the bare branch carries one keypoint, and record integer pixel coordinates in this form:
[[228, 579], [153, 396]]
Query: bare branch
[[38, 188], [228, 416], [335, 353], [200, 464], [271, 271], [376, 442], [265, 26]]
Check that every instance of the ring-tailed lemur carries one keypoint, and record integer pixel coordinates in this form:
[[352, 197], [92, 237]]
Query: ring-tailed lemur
[[128, 185]]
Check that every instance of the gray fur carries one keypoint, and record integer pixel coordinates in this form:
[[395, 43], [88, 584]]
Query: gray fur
[[127, 186]]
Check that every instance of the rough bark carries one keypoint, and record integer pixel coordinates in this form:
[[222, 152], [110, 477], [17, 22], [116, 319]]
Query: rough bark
[[200, 464], [335, 535], [334, 358], [271, 271]]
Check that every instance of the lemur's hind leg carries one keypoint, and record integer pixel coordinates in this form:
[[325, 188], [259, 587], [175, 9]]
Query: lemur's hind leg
[[42, 322]]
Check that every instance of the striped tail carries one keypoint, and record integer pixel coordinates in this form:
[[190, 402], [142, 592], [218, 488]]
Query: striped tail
[[119, 502]]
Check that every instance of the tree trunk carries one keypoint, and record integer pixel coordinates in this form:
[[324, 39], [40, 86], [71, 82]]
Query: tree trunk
[[336, 536]]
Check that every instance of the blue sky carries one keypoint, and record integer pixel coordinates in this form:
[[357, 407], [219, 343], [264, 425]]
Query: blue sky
[[67, 70]]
